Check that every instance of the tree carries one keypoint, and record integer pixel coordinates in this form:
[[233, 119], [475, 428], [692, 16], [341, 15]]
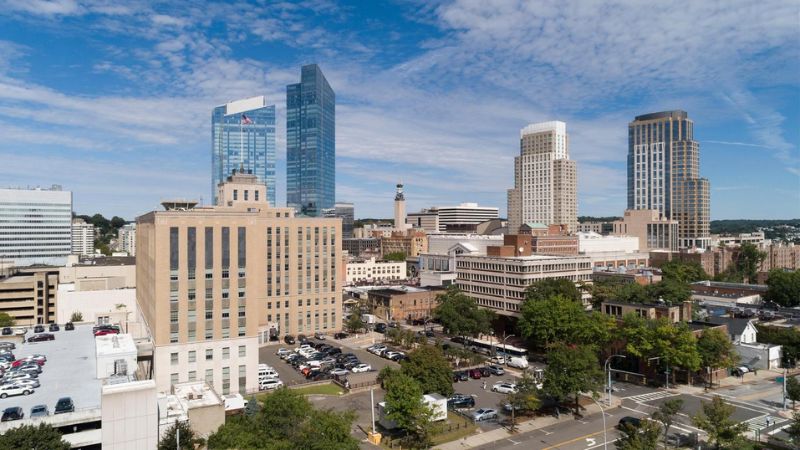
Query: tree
[[561, 319], [794, 428], [716, 350], [77, 316], [792, 390], [428, 366], [406, 408], [571, 369], [749, 260], [643, 437], [185, 441], [666, 415], [783, 287], [252, 407], [460, 315], [683, 272], [550, 287], [671, 291], [6, 320], [327, 430], [395, 256], [354, 322], [43, 436], [525, 399], [117, 222], [674, 344], [715, 419], [788, 338]]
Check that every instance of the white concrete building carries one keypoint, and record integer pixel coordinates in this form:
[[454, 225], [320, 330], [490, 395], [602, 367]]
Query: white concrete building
[[371, 270], [129, 414], [437, 267], [82, 238], [127, 239], [595, 243], [756, 238], [194, 401], [36, 226]]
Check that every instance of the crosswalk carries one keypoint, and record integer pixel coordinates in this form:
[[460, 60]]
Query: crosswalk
[[651, 396], [764, 421]]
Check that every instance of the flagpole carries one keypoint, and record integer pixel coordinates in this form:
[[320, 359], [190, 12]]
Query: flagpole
[[241, 143]]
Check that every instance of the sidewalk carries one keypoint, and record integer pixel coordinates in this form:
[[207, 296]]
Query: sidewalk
[[487, 437], [749, 378]]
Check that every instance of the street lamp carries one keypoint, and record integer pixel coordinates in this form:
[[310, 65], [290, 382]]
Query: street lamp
[[505, 355], [607, 367], [602, 413]]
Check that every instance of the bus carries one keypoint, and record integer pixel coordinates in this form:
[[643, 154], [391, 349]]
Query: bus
[[493, 347]]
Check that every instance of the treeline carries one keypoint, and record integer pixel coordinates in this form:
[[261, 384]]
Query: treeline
[[748, 225], [106, 230], [582, 219]]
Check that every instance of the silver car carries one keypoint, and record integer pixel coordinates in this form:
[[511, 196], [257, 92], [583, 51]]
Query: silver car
[[26, 382], [484, 414]]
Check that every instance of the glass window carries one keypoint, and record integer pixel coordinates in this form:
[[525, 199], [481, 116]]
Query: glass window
[[226, 352], [173, 248], [209, 248], [173, 358], [191, 249], [242, 351], [226, 247], [209, 354], [242, 246], [192, 356], [173, 378]]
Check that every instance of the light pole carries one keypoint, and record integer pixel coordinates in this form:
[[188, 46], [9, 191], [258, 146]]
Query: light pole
[[608, 372], [602, 413], [505, 355]]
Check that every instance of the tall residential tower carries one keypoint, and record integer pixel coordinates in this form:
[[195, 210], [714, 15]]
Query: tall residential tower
[[243, 137], [310, 143], [664, 174], [545, 179]]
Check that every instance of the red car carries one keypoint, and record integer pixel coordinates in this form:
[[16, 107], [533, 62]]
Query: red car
[[105, 331], [475, 374], [22, 361]]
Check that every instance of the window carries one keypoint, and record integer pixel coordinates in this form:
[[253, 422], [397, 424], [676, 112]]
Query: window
[[192, 356], [173, 359], [256, 194], [246, 195], [210, 376], [226, 352], [236, 194], [242, 247], [173, 378], [173, 248], [242, 348], [191, 250], [209, 354], [226, 248], [209, 244], [192, 375]]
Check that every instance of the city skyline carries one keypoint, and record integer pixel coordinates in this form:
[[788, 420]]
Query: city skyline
[[132, 110]]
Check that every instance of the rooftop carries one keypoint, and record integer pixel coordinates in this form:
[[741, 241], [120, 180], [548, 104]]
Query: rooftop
[[115, 344]]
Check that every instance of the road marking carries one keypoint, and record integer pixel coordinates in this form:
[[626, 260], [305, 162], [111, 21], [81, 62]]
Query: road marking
[[602, 444], [743, 405], [590, 442], [651, 396], [576, 439], [513, 442], [760, 422]]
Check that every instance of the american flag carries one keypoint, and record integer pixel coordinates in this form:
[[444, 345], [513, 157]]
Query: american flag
[[246, 120]]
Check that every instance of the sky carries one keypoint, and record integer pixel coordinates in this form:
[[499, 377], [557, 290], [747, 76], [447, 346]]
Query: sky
[[112, 100]]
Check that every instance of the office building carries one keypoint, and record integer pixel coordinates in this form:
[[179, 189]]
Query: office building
[[372, 270], [426, 220], [310, 143], [651, 227], [411, 243], [214, 282], [243, 138], [82, 238], [36, 226], [463, 218], [346, 212], [545, 179], [403, 303], [664, 174], [358, 246], [127, 239]]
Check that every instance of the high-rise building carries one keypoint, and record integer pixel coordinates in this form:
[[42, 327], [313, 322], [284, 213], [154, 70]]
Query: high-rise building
[[36, 226], [310, 143], [215, 282], [346, 212], [82, 238], [127, 238], [243, 138], [545, 179], [664, 174]]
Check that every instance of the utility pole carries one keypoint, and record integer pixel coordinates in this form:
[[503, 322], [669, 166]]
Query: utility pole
[[372, 402], [608, 372], [785, 375]]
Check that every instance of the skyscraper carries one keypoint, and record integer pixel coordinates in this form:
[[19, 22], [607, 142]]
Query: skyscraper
[[310, 143], [346, 212], [545, 179], [664, 174], [243, 136], [36, 226]]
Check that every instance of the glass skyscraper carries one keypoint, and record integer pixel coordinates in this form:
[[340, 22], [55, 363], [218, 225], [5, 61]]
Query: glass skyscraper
[[243, 136], [310, 143]]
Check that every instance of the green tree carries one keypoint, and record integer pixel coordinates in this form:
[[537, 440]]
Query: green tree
[[6, 320], [42, 436], [716, 350], [170, 439], [550, 287], [643, 437], [117, 222], [354, 322], [674, 344], [792, 390], [252, 408], [715, 419], [561, 319], [783, 287], [460, 315], [428, 366], [77, 316], [571, 369], [748, 261], [395, 256], [327, 430], [683, 272], [666, 415], [524, 400], [406, 408], [794, 428], [671, 291], [788, 338]]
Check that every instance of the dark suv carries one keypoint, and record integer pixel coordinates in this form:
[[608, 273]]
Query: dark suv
[[460, 401], [38, 329], [69, 326], [41, 337], [54, 327], [629, 422], [64, 405], [13, 413], [289, 339]]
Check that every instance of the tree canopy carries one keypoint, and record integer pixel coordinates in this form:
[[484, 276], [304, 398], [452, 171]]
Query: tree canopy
[[395, 256], [406, 408], [185, 441], [460, 315], [783, 287], [428, 366], [788, 338], [683, 272], [550, 287], [673, 343], [793, 390], [354, 323], [42, 436], [562, 319], [643, 437], [715, 419], [571, 369], [666, 415], [716, 350], [6, 320]]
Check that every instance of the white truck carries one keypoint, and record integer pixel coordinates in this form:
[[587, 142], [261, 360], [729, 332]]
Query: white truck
[[437, 403]]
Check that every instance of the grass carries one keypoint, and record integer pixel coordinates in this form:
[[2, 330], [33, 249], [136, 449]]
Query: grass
[[442, 432], [321, 389]]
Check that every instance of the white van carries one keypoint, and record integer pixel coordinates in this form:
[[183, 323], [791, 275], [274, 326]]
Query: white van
[[519, 363], [267, 373]]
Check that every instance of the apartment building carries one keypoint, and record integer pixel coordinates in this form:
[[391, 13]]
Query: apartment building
[[36, 226], [82, 238], [654, 230], [213, 282], [127, 239], [371, 270]]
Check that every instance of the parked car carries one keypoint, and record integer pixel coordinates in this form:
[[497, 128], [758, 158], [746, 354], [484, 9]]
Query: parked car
[[460, 375], [389, 354], [320, 336], [32, 369], [289, 339], [7, 331], [64, 405], [629, 421], [41, 337], [13, 413], [504, 388], [105, 331], [14, 375], [397, 356], [339, 372], [519, 363], [8, 390], [741, 370], [283, 352], [54, 327], [496, 370], [39, 411], [361, 368], [380, 327], [498, 359], [38, 329], [31, 383], [485, 372], [268, 385], [429, 333], [475, 374], [69, 326], [302, 338], [457, 401], [340, 335], [8, 345], [484, 414]]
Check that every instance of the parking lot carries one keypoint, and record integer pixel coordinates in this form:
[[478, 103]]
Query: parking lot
[[484, 398]]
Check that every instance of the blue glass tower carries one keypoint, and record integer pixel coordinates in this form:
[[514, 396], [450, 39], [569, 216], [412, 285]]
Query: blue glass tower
[[243, 136], [310, 143]]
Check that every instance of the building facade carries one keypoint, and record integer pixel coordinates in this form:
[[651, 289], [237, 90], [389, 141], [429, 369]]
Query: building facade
[[82, 238], [463, 218], [370, 270], [243, 138], [545, 179], [651, 227], [412, 243], [346, 212], [214, 282], [406, 303], [310, 143], [35, 226], [127, 239], [357, 246], [664, 174], [425, 220], [30, 297]]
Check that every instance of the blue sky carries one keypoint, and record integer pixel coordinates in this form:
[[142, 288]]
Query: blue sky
[[113, 100]]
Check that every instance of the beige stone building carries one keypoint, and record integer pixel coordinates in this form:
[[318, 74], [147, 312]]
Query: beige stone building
[[411, 242], [30, 296], [214, 282], [655, 232], [545, 179], [403, 304]]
